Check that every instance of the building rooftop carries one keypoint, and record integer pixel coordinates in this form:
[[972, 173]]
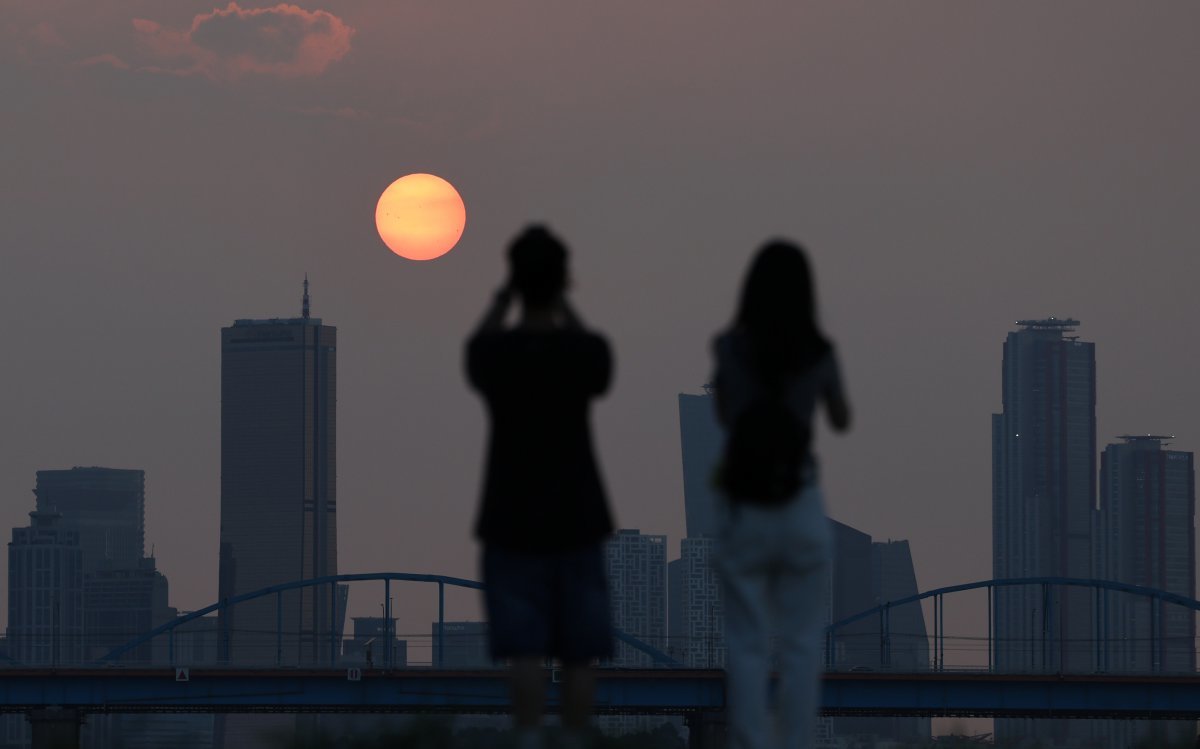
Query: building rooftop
[[278, 321], [1065, 325]]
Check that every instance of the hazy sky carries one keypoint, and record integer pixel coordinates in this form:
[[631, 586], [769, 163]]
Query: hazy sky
[[953, 167]]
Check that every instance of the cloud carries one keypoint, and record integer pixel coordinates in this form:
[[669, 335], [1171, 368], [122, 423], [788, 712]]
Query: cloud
[[226, 44]]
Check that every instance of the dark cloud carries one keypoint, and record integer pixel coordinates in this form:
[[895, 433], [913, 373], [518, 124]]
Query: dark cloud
[[227, 44]]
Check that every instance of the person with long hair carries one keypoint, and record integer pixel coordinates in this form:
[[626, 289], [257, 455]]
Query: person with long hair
[[774, 367]]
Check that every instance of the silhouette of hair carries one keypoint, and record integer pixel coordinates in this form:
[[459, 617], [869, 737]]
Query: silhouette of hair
[[538, 264], [777, 310]]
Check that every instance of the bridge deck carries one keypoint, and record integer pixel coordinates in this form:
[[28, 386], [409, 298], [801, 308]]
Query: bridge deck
[[653, 691]]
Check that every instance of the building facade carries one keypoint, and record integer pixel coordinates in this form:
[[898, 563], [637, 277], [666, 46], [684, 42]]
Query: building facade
[[106, 505], [1043, 496], [1043, 511], [636, 565], [278, 484], [121, 602], [461, 645], [701, 440], [701, 633], [1147, 537], [45, 593], [374, 644]]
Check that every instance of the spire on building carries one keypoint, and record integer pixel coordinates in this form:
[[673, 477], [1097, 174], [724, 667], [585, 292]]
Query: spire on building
[[304, 309]]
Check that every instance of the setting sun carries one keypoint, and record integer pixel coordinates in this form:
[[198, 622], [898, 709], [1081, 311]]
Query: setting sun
[[420, 217]]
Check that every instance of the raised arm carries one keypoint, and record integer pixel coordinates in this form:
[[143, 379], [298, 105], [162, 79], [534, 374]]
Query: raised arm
[[493, 319]]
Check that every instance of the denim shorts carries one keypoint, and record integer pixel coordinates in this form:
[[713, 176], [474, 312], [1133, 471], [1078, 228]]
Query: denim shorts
[[547, 604]]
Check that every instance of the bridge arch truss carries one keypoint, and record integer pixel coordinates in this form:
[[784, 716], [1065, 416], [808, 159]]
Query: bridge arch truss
[[1101, 589]]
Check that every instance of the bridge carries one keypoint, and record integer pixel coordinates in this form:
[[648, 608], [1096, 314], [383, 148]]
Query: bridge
[[60, 696], [688, 692]]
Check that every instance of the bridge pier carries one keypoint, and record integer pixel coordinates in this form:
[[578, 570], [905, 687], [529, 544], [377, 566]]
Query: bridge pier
[[706, 729], [55, 727]]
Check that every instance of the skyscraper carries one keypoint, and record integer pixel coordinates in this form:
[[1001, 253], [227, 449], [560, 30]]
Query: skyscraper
[[1043, 508], [1044, 495], [700, 636], [278, 484], [701, 439], [106, 505], [1147, 537], [637, 574], [893, 578]]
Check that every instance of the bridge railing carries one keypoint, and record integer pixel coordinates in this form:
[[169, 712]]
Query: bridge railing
[[261, 629]]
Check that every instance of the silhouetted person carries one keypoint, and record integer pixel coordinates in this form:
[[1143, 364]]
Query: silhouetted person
[[544, 516], [774, 367]]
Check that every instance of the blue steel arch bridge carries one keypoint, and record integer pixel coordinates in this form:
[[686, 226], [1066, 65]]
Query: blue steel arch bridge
[[665, 688]]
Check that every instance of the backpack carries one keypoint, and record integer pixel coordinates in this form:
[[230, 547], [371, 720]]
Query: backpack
[[765, 452]]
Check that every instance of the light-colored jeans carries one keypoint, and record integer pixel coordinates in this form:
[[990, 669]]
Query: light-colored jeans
[[774, 565]]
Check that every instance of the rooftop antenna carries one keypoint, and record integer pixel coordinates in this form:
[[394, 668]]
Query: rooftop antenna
[[304, 309]]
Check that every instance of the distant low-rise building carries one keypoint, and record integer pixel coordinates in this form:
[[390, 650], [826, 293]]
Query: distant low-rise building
[[121, 602], [369, 644], [461, 645]]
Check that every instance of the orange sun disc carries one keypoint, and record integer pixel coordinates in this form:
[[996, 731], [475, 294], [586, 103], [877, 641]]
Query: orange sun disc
[[420, 217]]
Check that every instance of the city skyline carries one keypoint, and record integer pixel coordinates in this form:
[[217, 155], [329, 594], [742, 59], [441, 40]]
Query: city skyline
[[944, 184]]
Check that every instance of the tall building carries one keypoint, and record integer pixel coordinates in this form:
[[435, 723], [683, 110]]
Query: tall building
[[701, 440], [855, 644], [701, 638], [676, 621], [106, 505], [278, 484], [1147, 536], [636, 565], [1044, 496], [1043, 511], [894, 578], [45, 593]]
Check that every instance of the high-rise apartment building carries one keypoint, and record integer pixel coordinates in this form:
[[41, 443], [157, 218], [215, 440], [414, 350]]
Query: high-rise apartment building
[[106, 505], [1147, 537], [700, 642], [1044, 496], [701, 440], [278, 484], [636, 565], [45, 593], [1043, 511]]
